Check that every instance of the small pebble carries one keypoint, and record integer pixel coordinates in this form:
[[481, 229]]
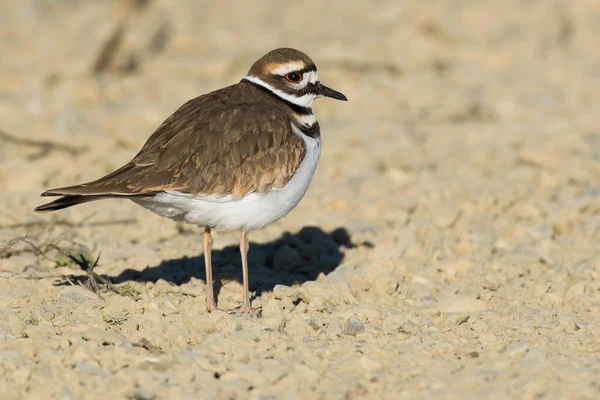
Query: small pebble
[[143, 394], [517, 350], [100, 335], [353, 326], [568, 323]]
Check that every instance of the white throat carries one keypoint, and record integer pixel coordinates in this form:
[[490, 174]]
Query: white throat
[[302, 101]]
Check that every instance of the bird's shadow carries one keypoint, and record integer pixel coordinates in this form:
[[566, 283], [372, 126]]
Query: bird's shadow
[[290, 259]]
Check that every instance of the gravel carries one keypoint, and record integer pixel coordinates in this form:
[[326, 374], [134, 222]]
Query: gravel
[[447, 247]]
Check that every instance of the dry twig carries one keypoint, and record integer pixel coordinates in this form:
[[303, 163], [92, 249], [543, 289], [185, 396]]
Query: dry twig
[[8, 250], [93, 278]]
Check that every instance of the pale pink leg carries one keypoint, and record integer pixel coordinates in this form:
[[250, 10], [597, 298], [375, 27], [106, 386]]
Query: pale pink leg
[[210, 295], [246, 307]]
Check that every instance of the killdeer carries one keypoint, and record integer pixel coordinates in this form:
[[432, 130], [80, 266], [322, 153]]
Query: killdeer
[[238, 158]]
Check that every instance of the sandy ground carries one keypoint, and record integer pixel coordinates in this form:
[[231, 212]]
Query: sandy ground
[[447, 248]]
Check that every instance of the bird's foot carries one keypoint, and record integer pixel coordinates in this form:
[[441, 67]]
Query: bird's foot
[[211, 306], [245, 309]]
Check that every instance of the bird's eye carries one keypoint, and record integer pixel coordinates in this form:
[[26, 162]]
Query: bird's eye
[[294, 77]]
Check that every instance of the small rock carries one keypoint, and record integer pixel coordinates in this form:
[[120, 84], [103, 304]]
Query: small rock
[[487, 337], [358, 284], [568, 323], [457, 268], [21, 376], [431, 312], [575, 291], [76, 294], [155, 363], [100, 335], [445, 215], [282, 291], [368, 364], [143, 394], [544, 251], [340, 274], [285, 292], [460, 319], [196, 287], [43, 329], [314, 325], [163, 286], [169, 308], [501, 244], [10, 324], [517, 350], [366, 311], [385, 285], [479, 326], [353, 326], [86, 368]]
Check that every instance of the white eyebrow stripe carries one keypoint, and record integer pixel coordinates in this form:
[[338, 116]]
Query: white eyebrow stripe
[[289, 67], [302, 101]]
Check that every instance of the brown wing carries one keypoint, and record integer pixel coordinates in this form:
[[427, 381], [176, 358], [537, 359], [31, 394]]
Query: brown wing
[[209, 146]]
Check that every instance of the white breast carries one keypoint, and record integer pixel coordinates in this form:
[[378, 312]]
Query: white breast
[[252, 211]]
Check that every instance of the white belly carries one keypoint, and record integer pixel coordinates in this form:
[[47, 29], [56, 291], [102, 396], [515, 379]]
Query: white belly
[[252, 211]]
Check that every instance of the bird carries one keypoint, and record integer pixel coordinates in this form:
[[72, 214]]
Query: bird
[[238, 158]]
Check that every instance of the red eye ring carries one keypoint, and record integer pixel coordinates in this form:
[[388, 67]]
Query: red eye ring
[[294, 77]]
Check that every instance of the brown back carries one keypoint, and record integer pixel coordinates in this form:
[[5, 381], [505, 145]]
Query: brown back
[[233, 141]]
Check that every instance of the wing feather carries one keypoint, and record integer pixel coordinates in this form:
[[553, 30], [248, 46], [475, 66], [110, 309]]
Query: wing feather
[[208, 149]]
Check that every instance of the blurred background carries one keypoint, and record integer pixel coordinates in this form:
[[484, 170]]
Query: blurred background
[[465, 163], [101, 76]]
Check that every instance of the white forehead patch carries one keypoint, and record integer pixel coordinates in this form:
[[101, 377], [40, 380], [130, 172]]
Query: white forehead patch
[[288, 67], [308, 77], [311, 77]]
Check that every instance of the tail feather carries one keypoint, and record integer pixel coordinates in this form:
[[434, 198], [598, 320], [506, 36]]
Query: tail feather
[[75, 199], [67, 201], [113, 185]]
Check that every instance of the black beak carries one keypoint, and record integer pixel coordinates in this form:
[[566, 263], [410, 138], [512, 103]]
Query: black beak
[[334, 94]]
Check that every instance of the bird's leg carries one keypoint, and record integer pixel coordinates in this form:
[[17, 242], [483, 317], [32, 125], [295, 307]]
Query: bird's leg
[[246, 307], [210, 295]]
